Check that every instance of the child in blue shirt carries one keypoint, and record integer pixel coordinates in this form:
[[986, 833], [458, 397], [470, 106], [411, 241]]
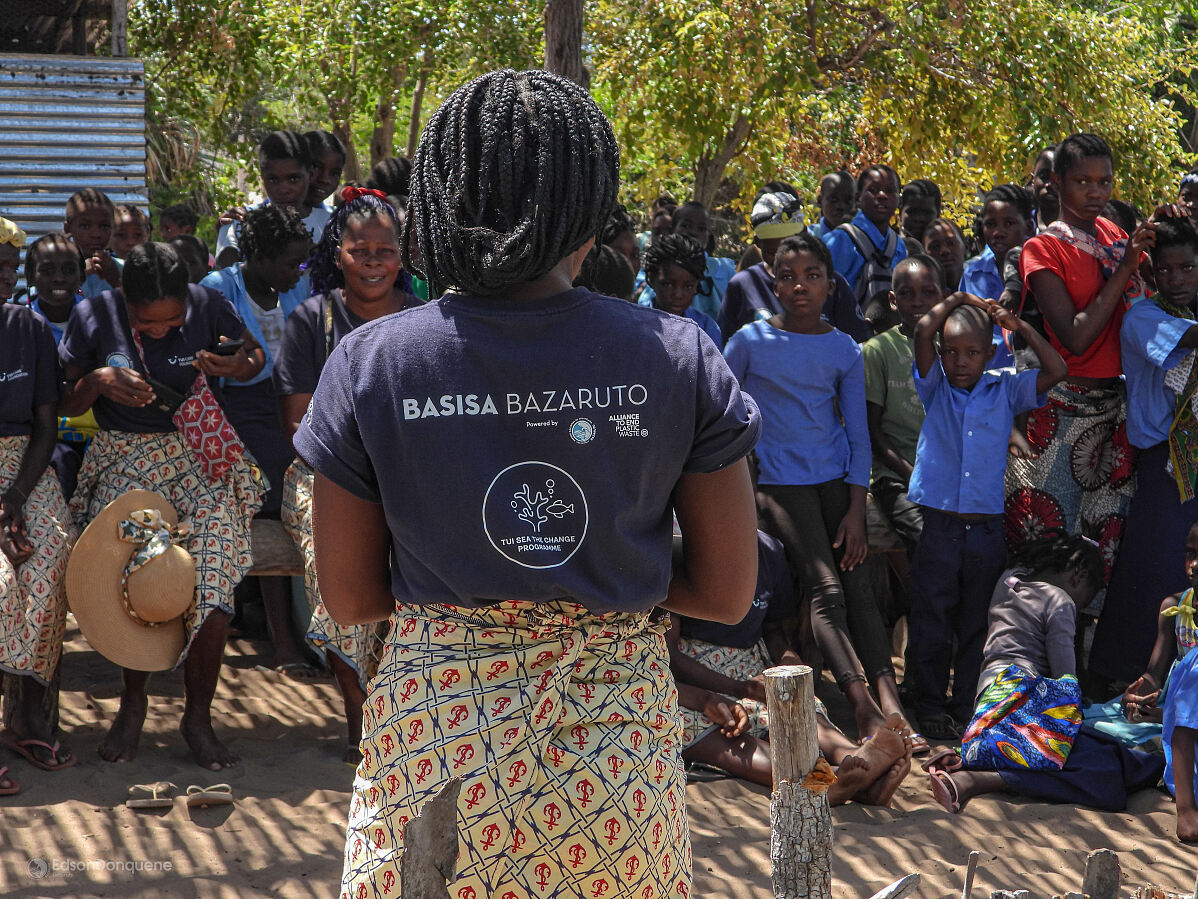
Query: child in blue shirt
[[90, 219], [814, 460], [674, 268], [690, 220], [958, 479]]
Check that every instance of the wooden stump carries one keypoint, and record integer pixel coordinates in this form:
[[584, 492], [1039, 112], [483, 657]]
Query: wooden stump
[[800, 821], [430, 855], [1102, 875]]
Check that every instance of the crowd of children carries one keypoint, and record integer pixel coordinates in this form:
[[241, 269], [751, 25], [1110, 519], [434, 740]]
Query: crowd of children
[[1023, 416]]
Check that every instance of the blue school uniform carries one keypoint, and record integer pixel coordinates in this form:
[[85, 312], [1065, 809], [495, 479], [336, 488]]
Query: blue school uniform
[[231, 282], [93, 285], [706, 324], [55, 328], [1149, 339], [845, 258], [750, 296], [1181, 710], [962, 454], [804, 385], [959, 467], [982, 278]]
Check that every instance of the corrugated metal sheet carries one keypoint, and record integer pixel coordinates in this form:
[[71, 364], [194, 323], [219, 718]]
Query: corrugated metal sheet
[[69, 122]]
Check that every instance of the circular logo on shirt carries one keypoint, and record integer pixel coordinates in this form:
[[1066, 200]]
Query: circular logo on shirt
[[535, 514], [582, 430], [119, 360]]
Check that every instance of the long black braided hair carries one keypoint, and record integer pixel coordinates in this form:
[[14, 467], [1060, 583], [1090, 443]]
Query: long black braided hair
[[515, 171], [269, 230], [323, 271]]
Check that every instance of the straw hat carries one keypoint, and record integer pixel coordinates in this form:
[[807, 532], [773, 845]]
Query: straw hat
[[129, 585]]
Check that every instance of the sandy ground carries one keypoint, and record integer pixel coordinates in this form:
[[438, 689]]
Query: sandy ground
[[69, 834]]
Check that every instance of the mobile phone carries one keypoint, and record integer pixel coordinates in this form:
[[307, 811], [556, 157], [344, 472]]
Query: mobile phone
[[166, 399], [228, 347]]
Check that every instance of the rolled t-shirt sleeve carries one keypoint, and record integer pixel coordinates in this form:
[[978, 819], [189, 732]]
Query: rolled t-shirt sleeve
[[329, 438], [78, 345], [727, 422]]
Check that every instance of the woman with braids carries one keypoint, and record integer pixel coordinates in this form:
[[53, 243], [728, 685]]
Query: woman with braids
[[1026, 737], [357, 277], [265, 289], [158, 329], [562, 427], [1083, 271]]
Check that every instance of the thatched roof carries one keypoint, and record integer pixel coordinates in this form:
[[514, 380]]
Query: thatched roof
[[79, 27]]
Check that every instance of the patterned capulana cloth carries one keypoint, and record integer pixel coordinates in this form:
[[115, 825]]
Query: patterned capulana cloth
[[563, 725], [358, 646], [1023, 721], [1083, 479], [738, 664], [33, 602], [218, 512]]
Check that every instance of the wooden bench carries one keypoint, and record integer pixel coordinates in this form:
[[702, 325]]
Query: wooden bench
[[275, 553]]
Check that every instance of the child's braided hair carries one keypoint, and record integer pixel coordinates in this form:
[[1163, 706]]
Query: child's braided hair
[[514, 172], [675, 249], [1061, 552], [268, 230]]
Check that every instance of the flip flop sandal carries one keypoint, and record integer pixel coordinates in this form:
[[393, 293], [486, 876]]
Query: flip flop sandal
[[13, 787], [701, 773], [918, 742], [946, 761], [944, 791], [217, 794], [21, 748], [151, 796]]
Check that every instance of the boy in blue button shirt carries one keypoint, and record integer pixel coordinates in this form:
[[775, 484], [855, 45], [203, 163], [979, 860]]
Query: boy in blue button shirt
[[958, 479]]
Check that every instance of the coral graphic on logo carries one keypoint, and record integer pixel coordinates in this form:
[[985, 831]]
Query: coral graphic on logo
[[537, 509], [535, 514], [582, 430]]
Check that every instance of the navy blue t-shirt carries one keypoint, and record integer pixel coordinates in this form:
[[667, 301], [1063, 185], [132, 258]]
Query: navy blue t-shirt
[[98, 335], [29, 373], [526, 450], [773, 599]]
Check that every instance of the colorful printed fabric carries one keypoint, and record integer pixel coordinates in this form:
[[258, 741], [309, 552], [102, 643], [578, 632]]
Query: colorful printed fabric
[[359, 646], [1023, 722], [738, 664], [1083, 479], [1108, 255], [1182, 380], [33, 602], [218, 512], [564, 727]]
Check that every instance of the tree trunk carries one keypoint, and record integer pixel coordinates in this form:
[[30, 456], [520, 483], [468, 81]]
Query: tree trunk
[[414, 116], [709, 170], [382, 141], [800, 821], [563, 40]]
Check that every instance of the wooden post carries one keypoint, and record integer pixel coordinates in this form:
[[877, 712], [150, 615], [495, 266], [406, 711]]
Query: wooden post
[[971, 869], [800, 821], [120, 26], [430, 855]]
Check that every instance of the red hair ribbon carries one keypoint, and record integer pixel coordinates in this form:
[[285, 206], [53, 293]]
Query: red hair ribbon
[[354, 193]]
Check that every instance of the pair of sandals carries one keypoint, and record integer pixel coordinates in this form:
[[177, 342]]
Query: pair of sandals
[[143, 797], [24, 748], [940, 768]]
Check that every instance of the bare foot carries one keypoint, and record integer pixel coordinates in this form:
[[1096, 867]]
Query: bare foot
[[882, 790], [868, 720], [887, 745], [1187, 825], [853, 776], [206, 749], [121, 743]]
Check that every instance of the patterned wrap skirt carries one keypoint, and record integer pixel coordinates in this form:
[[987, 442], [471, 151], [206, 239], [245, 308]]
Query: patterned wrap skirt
[[738, 664], [219, 512], [33, 601], [564, 727], [1083, 479], [359, 646]]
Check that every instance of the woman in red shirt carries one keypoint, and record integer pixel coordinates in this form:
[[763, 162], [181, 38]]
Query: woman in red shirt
[[1083, 272]]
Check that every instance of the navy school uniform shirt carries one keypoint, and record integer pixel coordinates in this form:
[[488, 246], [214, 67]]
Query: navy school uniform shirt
[[811, 391], [98, 335], [526, 451], [962, 454], [773, 599], [29, 372]]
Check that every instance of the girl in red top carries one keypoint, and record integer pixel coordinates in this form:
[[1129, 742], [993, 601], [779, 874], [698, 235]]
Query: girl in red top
[[1083, 272]]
